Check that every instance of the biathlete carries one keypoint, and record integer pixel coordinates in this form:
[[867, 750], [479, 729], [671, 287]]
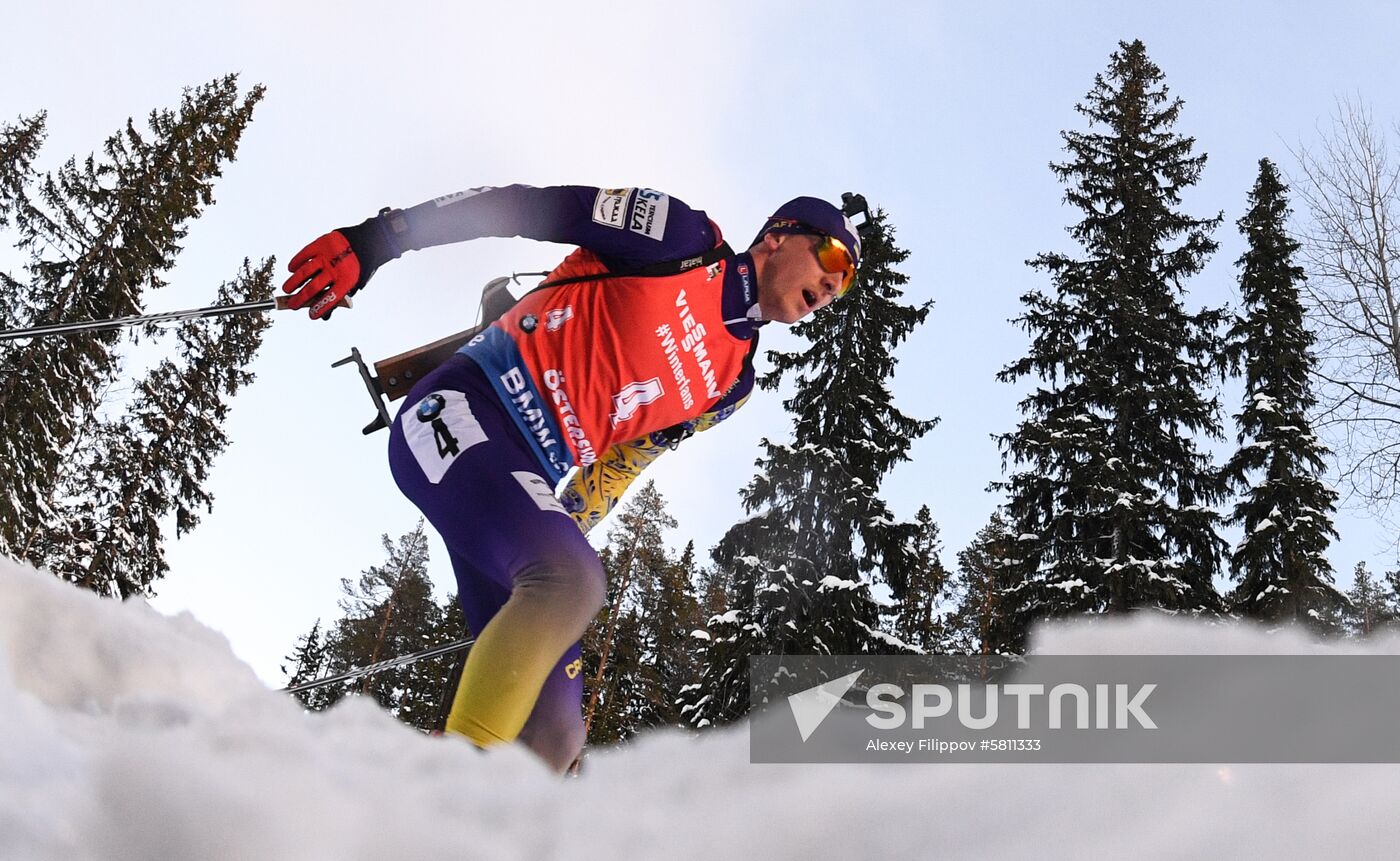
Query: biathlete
[[640, 337]]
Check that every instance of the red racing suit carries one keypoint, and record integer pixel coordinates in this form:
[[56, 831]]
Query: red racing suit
[[676, 346], [669, 358]]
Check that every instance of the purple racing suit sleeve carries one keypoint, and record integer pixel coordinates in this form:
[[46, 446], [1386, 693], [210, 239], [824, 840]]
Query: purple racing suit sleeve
[[626, 227]]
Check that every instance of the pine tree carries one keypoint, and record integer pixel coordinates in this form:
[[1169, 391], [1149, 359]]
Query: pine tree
[[713, 590], [19, 146], [1285, 509], [611, 653], [800, 571], [389, 612], [1113, 510], [633, 650], [1391, 595], [916, 614], [670, 613], [447, 670], [985, 618], [308, 661], [1367, 608], [99, 235], [123, 479]]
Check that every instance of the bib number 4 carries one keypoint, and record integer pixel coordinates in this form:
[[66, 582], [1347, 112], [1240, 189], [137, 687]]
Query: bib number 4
[[438, 430]]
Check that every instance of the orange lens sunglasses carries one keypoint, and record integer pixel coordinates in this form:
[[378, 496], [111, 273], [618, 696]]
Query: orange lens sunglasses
[[834, 256]]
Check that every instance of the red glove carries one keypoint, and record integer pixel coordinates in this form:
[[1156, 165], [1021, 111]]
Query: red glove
[[323, 274], [334, 267]]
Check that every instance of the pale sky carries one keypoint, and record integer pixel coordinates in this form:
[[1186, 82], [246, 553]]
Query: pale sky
[[944, 114]]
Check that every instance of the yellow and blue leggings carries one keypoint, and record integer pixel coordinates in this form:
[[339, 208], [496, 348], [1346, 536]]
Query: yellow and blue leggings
[[528, 580]]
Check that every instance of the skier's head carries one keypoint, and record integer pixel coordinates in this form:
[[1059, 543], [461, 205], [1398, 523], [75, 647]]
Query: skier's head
[[806, 255]]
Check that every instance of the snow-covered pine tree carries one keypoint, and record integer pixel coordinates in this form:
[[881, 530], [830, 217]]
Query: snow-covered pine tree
[[98, 235], [1367, 608], [916, 617], [19, 146], [720, 692], [800, 570], [133, 470], [1114, 507], [1285, 509], [1390, 594]]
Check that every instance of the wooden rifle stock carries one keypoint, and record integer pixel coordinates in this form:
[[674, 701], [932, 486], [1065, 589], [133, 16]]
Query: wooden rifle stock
[[398, 374], [395, 376]]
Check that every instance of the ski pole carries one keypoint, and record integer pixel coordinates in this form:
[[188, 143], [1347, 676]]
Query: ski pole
[[279, 303], [391, 663]]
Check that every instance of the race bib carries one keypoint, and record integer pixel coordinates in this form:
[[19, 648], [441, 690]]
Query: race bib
[[539, 491], [438, 430]]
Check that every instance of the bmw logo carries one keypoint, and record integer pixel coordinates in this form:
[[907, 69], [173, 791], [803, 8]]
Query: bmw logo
[[430, 407]]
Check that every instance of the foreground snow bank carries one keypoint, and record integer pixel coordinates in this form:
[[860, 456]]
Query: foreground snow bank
[[126, 734]]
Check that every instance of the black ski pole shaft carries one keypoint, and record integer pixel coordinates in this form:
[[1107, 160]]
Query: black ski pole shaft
[[138, 320], [142, 319], [391, 663]]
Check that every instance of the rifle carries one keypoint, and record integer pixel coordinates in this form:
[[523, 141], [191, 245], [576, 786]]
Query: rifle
[[393, 377]]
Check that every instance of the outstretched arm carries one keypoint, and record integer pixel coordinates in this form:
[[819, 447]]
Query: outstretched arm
[[626, 228]]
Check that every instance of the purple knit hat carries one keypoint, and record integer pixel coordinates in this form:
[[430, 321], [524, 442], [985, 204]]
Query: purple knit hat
[[813, 215]]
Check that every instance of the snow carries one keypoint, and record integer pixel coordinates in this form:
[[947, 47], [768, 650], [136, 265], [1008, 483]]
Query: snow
[[831, 583], [729, 617], [127, 734], [1265, 403]]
